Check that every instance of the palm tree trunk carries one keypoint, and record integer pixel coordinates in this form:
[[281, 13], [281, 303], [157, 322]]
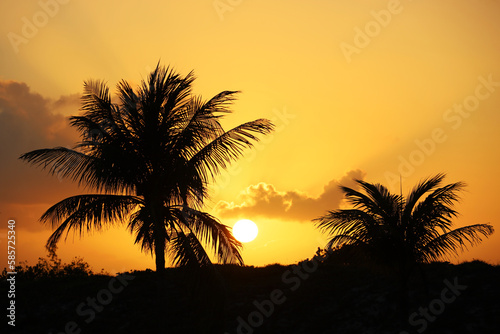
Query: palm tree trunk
[[159, 234], [160, 255]]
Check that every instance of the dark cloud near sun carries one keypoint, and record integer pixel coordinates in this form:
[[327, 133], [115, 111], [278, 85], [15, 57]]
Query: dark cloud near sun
[[264, 200], [29, 121]]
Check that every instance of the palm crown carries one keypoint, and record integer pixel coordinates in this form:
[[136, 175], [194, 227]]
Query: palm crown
[[402, 230], [150, 158]]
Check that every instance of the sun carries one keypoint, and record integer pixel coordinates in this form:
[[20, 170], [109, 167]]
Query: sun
[[245, 230]]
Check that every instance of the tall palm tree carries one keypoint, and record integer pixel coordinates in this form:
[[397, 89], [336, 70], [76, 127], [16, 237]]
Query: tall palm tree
[[402, 231], [149, 160]]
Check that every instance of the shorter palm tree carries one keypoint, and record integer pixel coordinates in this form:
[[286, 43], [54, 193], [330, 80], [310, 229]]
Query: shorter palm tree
[[402, 232]]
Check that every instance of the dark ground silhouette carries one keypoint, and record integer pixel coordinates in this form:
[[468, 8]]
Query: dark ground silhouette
[[329, 298]]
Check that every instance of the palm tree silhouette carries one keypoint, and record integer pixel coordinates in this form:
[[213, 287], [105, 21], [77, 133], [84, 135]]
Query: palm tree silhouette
[[402, 232], [150, 158]]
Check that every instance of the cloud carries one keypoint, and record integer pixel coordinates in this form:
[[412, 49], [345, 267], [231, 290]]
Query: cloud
[[29, 121], [264, 200]]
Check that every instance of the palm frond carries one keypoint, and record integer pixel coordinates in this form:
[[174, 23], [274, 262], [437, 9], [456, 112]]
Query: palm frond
[[62, 161], [88, 212], [96, 100], [211, 232], [142, 226], [437, 208], [353, 221], [202, 123], [359, 200], [186, 250], [420, 190], [228, 147], [384, 203], [453, 240], [130, 106]]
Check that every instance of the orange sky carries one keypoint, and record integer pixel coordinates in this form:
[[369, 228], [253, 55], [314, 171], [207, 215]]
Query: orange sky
[[368, 89]]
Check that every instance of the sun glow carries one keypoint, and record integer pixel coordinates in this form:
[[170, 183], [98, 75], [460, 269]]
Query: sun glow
[[245, 230]]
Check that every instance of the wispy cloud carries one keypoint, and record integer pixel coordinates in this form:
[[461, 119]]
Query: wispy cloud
[[264, 200]]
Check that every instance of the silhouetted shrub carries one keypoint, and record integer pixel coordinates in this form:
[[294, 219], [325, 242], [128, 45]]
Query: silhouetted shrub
[[51, 267]]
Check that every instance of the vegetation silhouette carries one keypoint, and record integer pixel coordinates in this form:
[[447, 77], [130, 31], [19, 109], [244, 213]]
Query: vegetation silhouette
[[401, 232], [336, 298], [150, 159], [51, 267]]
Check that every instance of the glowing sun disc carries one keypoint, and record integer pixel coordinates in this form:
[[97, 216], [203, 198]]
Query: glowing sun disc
[[245, 230]]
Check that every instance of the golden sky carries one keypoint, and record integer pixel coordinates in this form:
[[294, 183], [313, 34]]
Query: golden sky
[[365, 89]]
